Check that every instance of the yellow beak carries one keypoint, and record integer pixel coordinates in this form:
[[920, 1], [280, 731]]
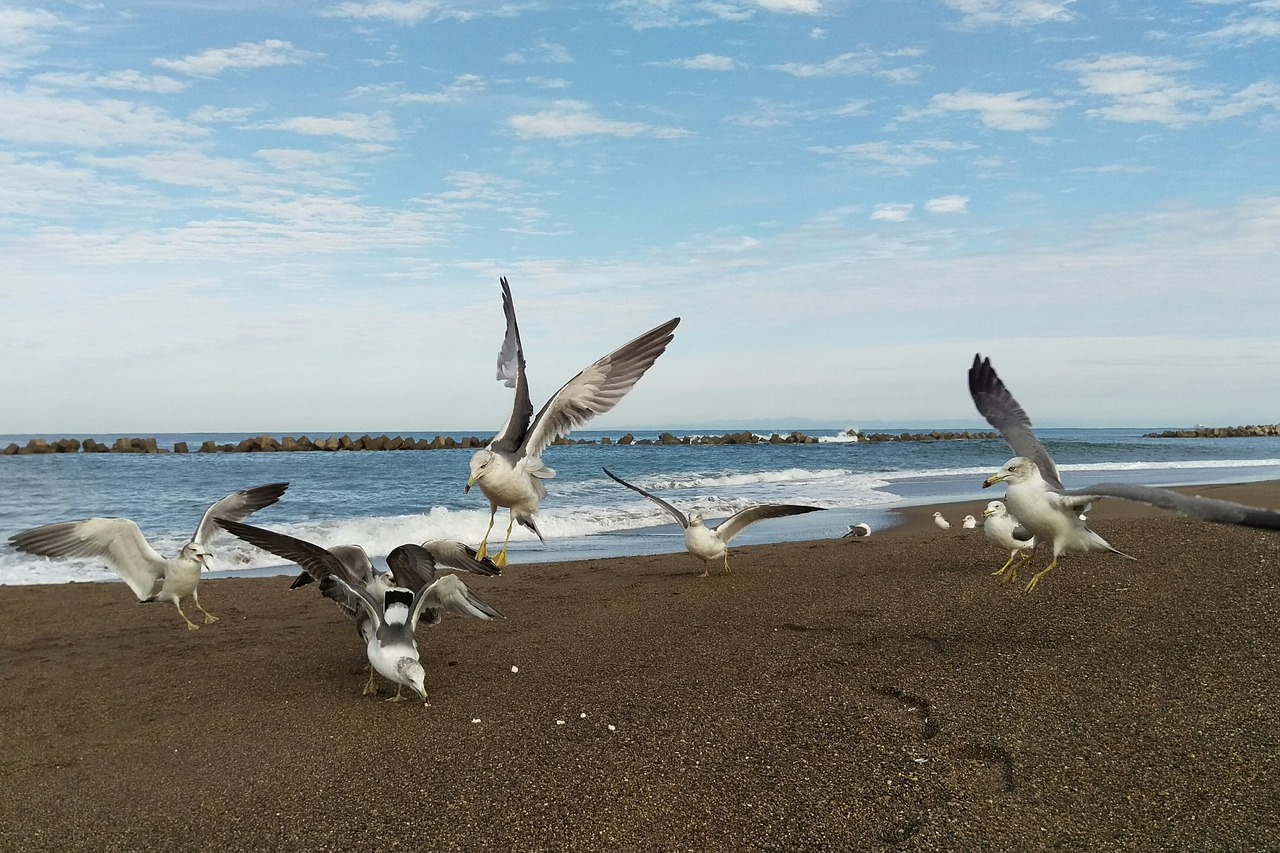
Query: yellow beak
[[992, 480], [986, 513]]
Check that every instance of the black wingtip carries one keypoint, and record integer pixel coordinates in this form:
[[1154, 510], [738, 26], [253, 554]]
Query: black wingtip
[[301, 580]]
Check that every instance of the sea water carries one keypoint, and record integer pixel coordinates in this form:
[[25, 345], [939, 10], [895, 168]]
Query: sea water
[[381, 499]]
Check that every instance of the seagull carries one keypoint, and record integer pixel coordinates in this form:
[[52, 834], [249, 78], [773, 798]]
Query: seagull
[[860, 530], [351, 563], [942, 523], [708, 543], [1035, 495], [392, 645], [509, 470], [969, 522], [1004, 530], [120, 543]]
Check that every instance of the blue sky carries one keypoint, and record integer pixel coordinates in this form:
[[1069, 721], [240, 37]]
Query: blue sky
[[224, 216]]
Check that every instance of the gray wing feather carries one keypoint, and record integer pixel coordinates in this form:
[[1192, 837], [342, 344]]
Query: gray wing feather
[[345, 594], [739, 521], [449, 554], [237, 506], [412, 566], [997, 405], [318, 562], [679, 516], [116, 541], [1204, 509], [597, 389], [449, 593], [511, 371]]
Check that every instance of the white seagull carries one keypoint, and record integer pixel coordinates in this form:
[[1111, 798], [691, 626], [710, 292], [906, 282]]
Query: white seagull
[[351, 563], [1004, 530], [120, 543], [509, 470], [1035, 494], [942, 523], [709, 543], [392, 644], [969, 522], [861, 530]]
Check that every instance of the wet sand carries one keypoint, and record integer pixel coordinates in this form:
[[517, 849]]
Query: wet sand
[[881, 694]]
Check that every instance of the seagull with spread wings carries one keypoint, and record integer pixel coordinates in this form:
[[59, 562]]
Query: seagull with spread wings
[[1035, 494], [120, 543], [413, 569], [509, 470], [711, 543]]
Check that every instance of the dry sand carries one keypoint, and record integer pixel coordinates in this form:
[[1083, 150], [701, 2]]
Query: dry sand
[[883, 694]]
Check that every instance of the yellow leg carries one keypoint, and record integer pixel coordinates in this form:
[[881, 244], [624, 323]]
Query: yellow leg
[[726, 563], [706, 568], [483, 550], [1035, 579], [1009, 562], [191, 626], [209, 618], [397, 697], [501, 559], [370, 686]]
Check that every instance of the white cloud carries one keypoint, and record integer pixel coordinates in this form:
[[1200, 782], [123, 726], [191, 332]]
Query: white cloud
[[902, 156], [120, 80], [360, 127], [1011, 13], [817, 34], [863, 62], [707, 62], [792, 7], [892, 212], [395, 11], [947, 204], [263, 54], [1013, 111], [465, 84], [575, 119], [22, 34], [36, 117], [1245, 31]]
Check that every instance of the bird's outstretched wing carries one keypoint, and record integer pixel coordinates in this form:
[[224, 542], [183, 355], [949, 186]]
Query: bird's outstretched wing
[[511, 372], [679, 516], [448, 593], [739, 521], [997, 405], [597, 389], [412, 567], [237, 506], [316, 561], [347, 595], [449, 554], [355, 558], [116, 541], [1204, 509]]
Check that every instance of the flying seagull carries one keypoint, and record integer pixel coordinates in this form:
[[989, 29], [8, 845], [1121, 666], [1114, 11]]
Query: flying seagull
[[1004, 530], [1035, 494], [351, 563], [861, 530], [392, 645], [120, 543], [942, 523], [709, 543], [509, 470]]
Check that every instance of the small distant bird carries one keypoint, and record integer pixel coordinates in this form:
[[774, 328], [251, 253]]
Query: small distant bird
[[860, 530], [509, 470], [120, 543], [392, 645], [942, 523], [969, 522], [351, 563], [1034, 491], [709, 543], [1003, 529]]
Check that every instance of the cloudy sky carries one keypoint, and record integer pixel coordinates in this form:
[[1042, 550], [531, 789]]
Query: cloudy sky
[[292, 215]]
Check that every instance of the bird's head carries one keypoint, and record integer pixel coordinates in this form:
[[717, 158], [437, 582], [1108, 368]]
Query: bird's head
[[995, 508], [414, 676], [695, 519], [480, 461], [1019, 469], [199, 553]]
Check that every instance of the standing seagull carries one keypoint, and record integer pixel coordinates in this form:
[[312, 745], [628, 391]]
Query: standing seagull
[[509, 470], [942, 523], [352, 564], [1035, 494], [392, 645], [709, 543], [121, 544], [1004, 530]]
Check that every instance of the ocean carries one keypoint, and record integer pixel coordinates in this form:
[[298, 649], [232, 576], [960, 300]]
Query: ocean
[[382, 499]]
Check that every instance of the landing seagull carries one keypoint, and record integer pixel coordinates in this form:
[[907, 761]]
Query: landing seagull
[[509, 470], [392, 645], [1004, 530], [121, 544], [709, 543], [1035, 494], [351, 563]]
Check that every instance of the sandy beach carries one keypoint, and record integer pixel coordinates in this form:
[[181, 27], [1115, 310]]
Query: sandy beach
[[884, 694]]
